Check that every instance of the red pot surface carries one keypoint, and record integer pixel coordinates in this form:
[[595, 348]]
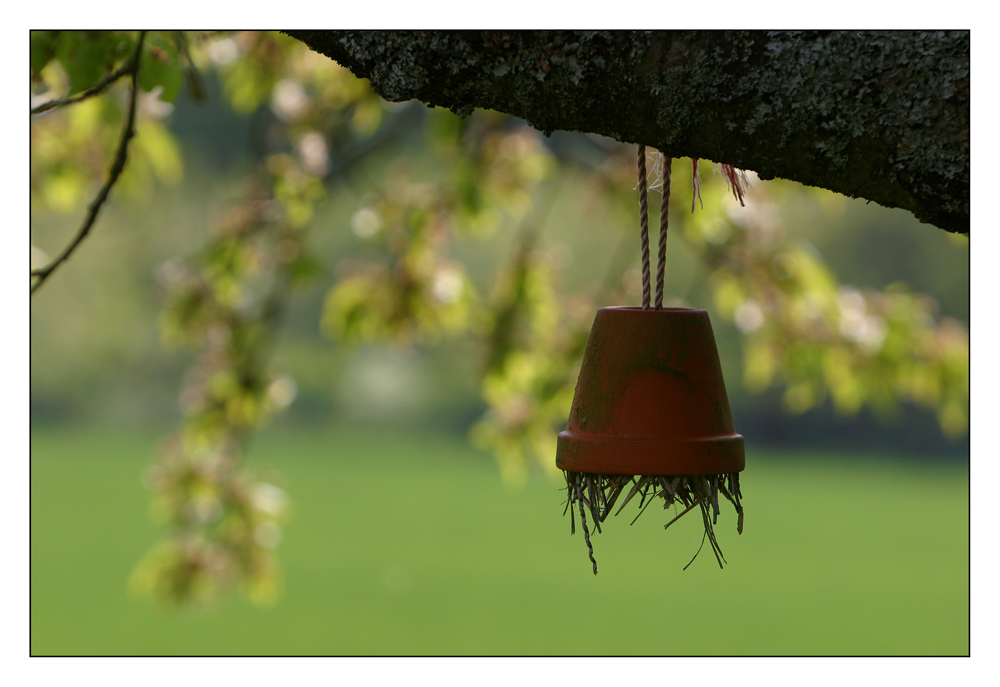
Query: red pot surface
[[650, 399]]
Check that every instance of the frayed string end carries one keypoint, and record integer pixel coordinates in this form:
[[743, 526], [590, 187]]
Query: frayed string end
[[656, 159], [737, 181], [695, 185]]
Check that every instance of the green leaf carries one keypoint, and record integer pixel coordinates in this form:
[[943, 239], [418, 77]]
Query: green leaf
[[161, 67], [162, 150], [87, 56], [42, 49]]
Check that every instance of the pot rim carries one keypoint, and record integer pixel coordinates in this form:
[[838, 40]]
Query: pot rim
[[610, 454]]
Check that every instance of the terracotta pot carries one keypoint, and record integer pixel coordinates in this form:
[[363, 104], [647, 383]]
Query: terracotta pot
[[651, 399]]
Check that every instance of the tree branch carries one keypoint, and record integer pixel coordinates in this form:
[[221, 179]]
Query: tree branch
[[882, 115], [121, 155], [83, 95]]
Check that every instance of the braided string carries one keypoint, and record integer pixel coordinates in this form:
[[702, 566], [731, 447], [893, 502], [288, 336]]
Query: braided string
[[661, 258], [644, 226]]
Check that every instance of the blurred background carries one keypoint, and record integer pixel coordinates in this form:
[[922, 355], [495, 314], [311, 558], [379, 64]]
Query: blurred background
[[317, 347]]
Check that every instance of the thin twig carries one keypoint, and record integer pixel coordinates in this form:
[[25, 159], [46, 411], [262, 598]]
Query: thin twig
[[190, 70], [96, 89], [121, 155]]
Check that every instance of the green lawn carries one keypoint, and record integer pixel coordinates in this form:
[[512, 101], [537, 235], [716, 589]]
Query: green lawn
[[411, 545]]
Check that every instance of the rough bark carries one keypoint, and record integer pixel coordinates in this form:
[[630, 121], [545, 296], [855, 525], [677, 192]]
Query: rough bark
[[882, 115]]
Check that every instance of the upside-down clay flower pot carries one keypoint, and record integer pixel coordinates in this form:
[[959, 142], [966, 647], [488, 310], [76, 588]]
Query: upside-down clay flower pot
[[651, 412], [651, 399]]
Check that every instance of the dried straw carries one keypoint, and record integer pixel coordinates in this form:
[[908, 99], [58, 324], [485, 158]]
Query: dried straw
[[598, 493]]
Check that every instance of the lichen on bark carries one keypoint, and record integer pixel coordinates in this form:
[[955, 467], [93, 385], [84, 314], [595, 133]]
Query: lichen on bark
[[882, 115]]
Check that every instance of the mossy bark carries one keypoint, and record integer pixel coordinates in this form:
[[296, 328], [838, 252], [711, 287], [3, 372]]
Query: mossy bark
[[882, 115]]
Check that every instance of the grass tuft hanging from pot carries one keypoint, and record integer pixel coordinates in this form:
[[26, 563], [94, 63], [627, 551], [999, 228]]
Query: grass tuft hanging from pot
[[650, 416]]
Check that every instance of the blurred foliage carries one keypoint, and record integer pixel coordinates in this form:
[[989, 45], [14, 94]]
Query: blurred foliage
[[536, 338], [72, 146], [415, 292], [818, 337], [228, 303], [411, 278]]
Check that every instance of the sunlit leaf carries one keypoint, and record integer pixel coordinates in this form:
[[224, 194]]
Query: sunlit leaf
[[161, 68], [159, 147], [42, 47], [87, 56]]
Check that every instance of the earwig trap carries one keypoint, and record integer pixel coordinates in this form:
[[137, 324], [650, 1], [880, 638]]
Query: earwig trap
[[650, 415]]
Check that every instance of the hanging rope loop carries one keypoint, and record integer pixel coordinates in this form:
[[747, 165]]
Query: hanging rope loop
[[661, 257], [644, 226]]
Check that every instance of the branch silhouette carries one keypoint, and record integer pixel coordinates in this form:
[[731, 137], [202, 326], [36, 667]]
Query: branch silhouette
[[121, 156], [87, 93]]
